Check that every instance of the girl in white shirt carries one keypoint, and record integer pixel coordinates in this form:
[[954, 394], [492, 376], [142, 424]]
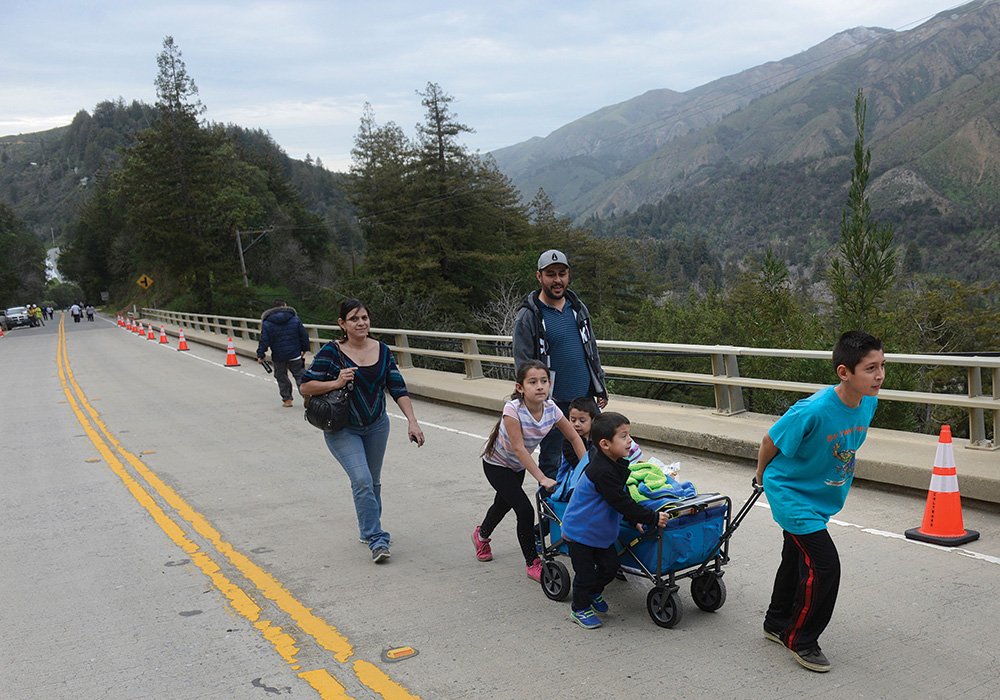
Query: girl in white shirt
[[527, 418]]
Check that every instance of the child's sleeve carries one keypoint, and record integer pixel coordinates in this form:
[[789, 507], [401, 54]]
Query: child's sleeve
[[569, 454], [510, 409], [791, 428], [634, 453]]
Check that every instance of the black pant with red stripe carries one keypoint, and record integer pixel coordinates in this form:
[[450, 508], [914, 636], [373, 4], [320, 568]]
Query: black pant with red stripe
[[805, 589]]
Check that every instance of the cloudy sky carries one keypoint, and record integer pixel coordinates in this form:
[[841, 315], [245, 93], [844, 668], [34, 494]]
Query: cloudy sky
[[302, 70]]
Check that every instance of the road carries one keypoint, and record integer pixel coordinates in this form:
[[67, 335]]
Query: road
[[172, 532]]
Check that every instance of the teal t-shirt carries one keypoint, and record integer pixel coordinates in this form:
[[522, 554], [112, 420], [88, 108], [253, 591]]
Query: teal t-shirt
[[807, 481]]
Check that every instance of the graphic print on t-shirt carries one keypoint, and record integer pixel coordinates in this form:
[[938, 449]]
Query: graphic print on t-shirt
[[844, 464]]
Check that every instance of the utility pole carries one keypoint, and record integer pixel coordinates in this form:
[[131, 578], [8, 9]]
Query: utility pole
[[243, 265], [239, 247]]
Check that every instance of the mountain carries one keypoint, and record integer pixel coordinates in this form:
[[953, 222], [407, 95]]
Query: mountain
[[775, 171], [932, 123], [582, 155]]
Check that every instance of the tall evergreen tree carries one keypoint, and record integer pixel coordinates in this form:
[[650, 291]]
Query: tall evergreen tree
[[865, 266], [185, 195], [436, 218]]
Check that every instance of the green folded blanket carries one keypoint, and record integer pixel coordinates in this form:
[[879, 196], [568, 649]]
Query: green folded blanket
[[644, 473]]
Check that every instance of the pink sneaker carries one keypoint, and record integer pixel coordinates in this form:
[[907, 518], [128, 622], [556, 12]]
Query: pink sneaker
[[535, 570], [483, 551]]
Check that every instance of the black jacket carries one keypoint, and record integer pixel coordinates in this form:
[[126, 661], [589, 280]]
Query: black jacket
[[283, 332], [530, 341]]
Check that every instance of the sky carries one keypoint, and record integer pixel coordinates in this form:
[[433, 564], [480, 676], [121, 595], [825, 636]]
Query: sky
[[303, 70]]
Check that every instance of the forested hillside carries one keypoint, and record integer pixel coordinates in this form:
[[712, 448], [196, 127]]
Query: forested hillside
[[46, 176]]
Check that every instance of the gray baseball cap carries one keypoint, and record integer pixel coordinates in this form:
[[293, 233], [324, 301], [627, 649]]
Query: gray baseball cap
[[552, 257]]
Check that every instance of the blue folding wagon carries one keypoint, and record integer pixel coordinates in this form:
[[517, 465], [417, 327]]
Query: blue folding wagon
[[694, 544]]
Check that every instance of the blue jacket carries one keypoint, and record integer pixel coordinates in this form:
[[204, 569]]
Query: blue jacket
[[283, 332], [599, 501]]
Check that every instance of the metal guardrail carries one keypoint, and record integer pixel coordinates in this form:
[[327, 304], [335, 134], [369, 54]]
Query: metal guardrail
[[724, 373]]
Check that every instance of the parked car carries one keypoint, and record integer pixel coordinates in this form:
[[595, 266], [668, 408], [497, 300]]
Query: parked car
[[17, 316]]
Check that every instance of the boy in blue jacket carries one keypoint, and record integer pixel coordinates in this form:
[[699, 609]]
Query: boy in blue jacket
[[594, 514]]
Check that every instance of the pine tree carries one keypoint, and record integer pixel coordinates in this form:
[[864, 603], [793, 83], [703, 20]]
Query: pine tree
[[185, 195], [865, 266]]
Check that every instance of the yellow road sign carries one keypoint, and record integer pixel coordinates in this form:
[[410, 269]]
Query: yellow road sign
[[144, 282]]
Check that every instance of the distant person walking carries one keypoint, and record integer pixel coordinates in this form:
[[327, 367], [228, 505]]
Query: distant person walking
[[90, 312], [75, 311], [282, 331], [553, 325]]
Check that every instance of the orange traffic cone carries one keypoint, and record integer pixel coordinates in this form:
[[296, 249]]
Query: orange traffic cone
[[943, 515], [163, 336], [182, 344], [139, 329], [1, 332], [128, 324], [231, 355], [151, 335]]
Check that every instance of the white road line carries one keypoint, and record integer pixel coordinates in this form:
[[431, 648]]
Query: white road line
[[442, 427], [898, 536]]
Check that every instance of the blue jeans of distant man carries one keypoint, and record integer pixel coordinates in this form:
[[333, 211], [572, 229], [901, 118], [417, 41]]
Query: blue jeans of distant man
[[360, 452]]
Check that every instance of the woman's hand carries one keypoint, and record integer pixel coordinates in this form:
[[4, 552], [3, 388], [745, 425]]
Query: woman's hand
[[416, 434], [548, 484], [344, 378]]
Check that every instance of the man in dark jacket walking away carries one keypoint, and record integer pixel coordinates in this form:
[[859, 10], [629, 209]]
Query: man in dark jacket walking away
[[283, 332], [553, 325]]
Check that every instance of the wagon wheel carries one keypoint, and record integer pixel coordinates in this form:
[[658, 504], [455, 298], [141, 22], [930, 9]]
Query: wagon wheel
[[555, 580], [709, 592], [664, 606]]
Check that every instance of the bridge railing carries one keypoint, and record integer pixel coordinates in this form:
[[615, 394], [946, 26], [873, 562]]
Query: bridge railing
[[723, 372]]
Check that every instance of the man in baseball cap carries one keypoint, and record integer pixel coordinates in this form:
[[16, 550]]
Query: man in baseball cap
[[553, 325]]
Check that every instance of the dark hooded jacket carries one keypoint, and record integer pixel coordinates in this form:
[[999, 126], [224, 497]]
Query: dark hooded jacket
[[530, 341], [283, 332]]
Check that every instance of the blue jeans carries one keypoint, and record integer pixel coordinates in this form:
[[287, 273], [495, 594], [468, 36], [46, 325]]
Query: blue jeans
[[360, 452]]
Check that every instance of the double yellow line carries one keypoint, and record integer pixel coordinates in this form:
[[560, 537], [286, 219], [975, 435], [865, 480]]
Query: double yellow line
[[325, 635]]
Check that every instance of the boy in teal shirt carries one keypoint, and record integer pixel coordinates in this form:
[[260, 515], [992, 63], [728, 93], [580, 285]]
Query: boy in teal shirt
[[806, 465]]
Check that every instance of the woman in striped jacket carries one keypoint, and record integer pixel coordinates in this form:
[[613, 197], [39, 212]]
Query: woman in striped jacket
[[360, 447]]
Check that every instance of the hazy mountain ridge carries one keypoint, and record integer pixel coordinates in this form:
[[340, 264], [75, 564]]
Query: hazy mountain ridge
[[614, 139], [933, 126]]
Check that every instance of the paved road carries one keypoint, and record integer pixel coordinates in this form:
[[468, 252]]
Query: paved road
[[171, 532]]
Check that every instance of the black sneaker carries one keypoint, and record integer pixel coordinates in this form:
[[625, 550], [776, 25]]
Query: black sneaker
[[813, 659], [773, 634], [380, 554]]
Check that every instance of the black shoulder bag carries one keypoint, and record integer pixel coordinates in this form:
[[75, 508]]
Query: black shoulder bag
[[330, 411]]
